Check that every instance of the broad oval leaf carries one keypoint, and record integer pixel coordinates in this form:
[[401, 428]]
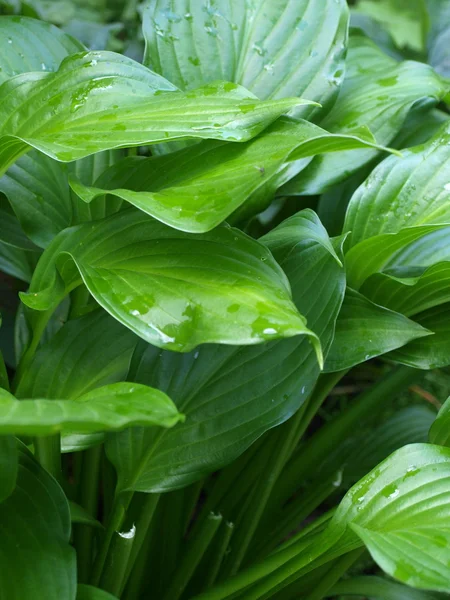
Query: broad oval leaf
[[232, 395], [32, 45], [29, 545], [103, 100], [365, 330], [286, 48], [377, 92], [173, 289], [107, 408], [403, 192], [198, 187]]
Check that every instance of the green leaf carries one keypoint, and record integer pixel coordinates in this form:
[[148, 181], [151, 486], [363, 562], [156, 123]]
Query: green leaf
[[440, 430], [87, 592], [173, 289], [86, 353], [431, 352], [365, 330], [439, 37], [78, 514], [377, 587], [406, 20], [403, 192], [9, 464], [232, 395], [11, 232], [378, 93], [198, 187], [410, 290], [4, 380], [374, 254], [103, 100], [29, 545], [17, 262], [108, 408], [32, 45], [287, 48]]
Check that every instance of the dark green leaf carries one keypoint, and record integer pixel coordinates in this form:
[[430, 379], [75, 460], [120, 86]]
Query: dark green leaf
[[287, 48], [378, 92], [102, 100], [377, 587], [173, 289], [87, 592], [17, 262], [365, 330], [231, 396], [78, 514], [34, 545], [440, 430], [9, 464]]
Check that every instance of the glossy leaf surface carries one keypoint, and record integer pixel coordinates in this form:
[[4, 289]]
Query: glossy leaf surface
[[102, 100], [378, 92], [173, 289], [287, 48], [111, 407], [195, 189], [29, 545], [230, 396], [365, 330]]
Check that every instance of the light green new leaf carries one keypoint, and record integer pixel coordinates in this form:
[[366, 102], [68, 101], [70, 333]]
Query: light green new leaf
[[403, 192], [431, 352], [108, 408], [374, 254], [377, 92], [224, 414], [87, 592], [406, 20], [103, 100], [425, 251], [9, 463], [440, 430], [173, 289], [410, 290], [286, 48], [365, 330], [35, 525], [198, 187], [32, 45]]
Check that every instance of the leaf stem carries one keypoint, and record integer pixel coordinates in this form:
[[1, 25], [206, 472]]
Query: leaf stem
[[48, 452]]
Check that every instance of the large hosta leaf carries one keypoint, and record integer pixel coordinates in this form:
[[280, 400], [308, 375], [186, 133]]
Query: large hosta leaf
[[403, 192], [286, 48], [111, 407], [32, 45], [195, 189], [35, 525], [103, 100], [410, 291], [230, 396], [378, 92], [173, 289], [431, 352], [365, 330], [439, 38], [378, 587]]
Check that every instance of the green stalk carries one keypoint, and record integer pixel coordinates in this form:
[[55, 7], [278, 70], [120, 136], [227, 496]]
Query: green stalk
[[115, 522], [48, 452], [339, 568], [88, 499], [332, 434], [117, 561], [225, 533], [192, 556]]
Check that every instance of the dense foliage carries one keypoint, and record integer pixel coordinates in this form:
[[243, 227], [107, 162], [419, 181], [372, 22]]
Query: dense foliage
[[216, 218]]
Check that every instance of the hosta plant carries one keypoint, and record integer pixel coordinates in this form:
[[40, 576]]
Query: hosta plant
[[216, 218]]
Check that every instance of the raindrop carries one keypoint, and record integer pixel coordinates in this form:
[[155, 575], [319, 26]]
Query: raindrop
[[270, 331], [447, 187]]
